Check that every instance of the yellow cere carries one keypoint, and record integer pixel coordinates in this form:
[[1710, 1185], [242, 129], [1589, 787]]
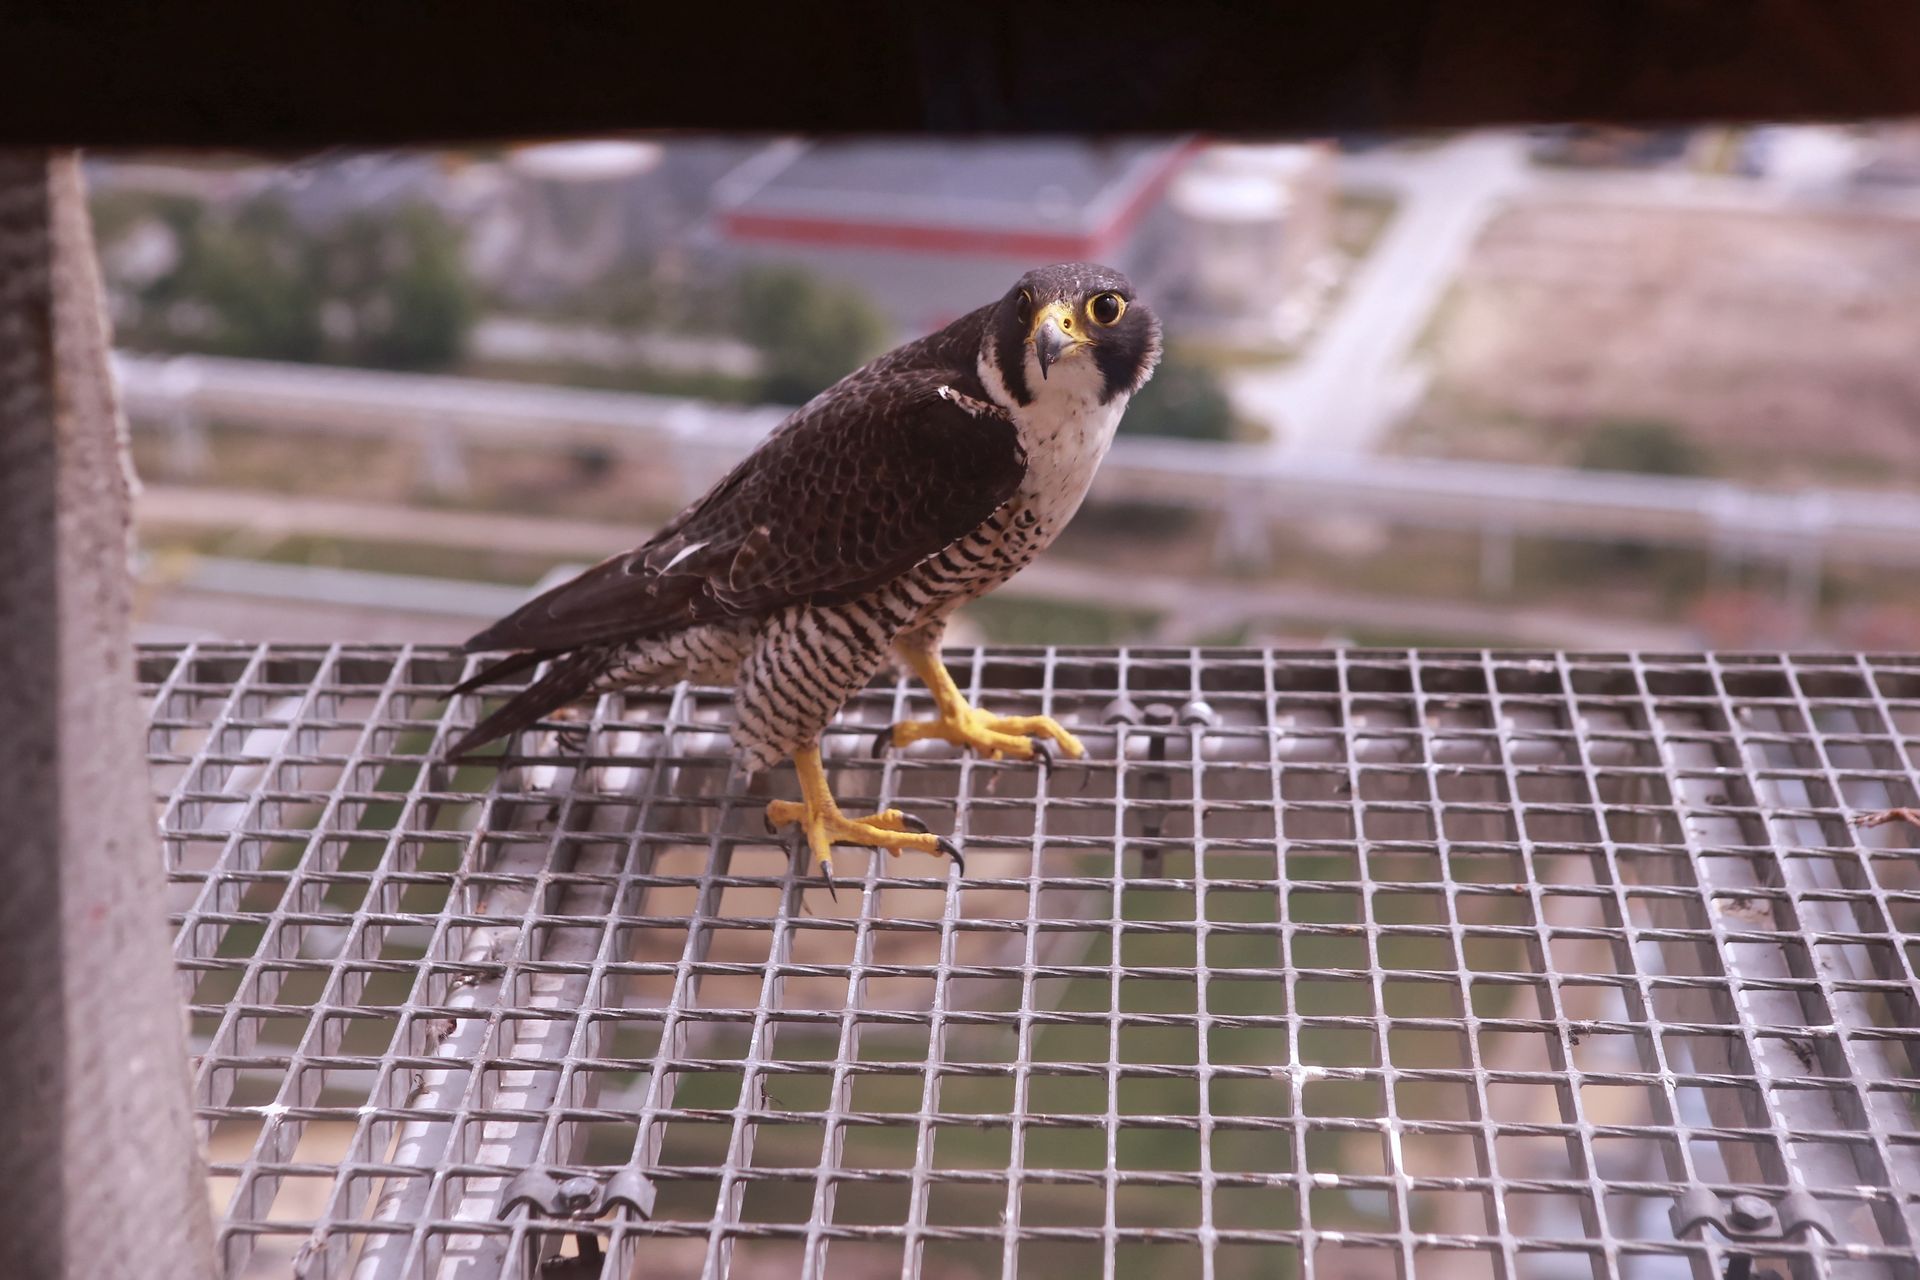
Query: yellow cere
[[1061, 314]]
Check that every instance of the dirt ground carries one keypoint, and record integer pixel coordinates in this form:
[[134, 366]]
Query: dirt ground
[[1785, 347]]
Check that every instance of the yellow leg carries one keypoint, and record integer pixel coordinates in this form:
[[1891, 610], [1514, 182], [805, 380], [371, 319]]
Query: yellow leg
[[825, 826], [1909, 816], [965, 725]]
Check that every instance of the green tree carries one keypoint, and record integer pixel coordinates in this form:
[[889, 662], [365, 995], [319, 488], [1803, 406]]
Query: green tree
[[394, 292], [387, 289], [1641, 445], [1184, 399], [809, 333], [240, 285]]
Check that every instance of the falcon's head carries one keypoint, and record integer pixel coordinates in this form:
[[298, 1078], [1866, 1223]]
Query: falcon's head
[[1075, 330]]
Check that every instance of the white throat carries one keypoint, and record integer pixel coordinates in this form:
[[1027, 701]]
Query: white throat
[[1065, 430], [1071, 388]]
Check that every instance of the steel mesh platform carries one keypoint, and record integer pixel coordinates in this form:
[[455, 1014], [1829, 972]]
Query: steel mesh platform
[[1369, 963]]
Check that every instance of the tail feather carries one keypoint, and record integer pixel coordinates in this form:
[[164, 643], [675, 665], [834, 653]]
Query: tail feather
[[513, 664], [566, 681]]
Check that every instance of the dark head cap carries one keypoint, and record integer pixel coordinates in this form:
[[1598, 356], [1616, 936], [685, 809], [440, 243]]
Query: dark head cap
[[1069, 313]]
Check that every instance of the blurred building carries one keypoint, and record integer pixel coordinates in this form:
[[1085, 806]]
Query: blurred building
[[1803, 159], [1892, 155], [567, 207], [1259, 224], [556, 219], [1609, 146], [930, 230]]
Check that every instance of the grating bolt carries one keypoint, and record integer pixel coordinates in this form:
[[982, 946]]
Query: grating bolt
[[1750, 1213], [577, 1193]]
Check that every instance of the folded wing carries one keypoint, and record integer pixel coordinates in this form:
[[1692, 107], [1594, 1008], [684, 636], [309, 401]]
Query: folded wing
[[851, 492]]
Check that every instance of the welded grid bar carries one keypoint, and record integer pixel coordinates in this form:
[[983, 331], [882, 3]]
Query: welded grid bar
[[1350, 963], [1757, 979], [1838, 971], [1648, 1055]]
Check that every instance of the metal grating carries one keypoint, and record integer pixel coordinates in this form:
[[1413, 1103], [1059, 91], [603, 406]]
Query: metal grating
[[1337, 964]]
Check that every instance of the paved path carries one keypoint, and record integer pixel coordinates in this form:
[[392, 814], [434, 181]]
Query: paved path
[[1358, 375]]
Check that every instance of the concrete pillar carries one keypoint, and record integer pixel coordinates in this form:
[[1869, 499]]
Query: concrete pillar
[[99, 1172]]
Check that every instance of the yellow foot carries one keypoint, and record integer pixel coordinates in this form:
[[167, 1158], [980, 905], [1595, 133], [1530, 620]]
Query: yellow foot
[[1909, 816], [824, 825], [1021, 737]]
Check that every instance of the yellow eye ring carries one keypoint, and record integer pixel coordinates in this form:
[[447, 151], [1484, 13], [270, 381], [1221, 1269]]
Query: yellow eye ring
[[1105, 309], [1023, 314]]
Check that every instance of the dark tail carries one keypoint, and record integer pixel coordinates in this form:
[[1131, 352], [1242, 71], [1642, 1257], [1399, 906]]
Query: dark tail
[[566, 681], [507, 666]]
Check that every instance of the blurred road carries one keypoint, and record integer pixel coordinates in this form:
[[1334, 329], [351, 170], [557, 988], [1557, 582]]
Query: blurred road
[[1358, 374]]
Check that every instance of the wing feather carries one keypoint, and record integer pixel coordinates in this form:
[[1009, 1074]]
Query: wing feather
[[861, 484]]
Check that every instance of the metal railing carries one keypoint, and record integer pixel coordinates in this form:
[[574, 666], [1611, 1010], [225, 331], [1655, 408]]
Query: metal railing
[[1800, 528]]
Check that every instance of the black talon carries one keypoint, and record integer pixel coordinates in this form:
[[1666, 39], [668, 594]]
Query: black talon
[[881, 741], [952, 850], [826, 873], [915, 825], [1042, 754]]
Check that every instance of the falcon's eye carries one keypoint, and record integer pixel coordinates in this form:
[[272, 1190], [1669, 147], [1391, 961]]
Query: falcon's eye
[[1024, 312], [1106, 308]]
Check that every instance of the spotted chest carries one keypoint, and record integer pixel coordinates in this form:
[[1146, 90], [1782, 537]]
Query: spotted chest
[[1065, 442], [1063, 452]]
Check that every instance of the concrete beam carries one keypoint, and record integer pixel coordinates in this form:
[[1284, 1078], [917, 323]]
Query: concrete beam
[[99, 1171]]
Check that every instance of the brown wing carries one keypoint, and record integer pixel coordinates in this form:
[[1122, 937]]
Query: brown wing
[[861, 485]]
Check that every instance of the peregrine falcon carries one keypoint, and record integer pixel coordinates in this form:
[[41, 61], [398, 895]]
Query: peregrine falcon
[[914, 484]]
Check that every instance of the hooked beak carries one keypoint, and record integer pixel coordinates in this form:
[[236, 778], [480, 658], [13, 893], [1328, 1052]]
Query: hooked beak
[[1051, 338]]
